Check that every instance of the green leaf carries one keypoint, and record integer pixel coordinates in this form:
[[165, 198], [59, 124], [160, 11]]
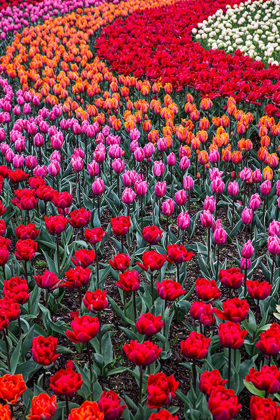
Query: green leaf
[[15, 357], [253, 389]]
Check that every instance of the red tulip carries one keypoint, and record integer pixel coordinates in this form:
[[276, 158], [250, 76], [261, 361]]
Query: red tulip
[[231, 335], [76, 277], [85, 328], [142, 354], [27, 232], [152, 260], [10, 307], [48, 280], [223, 403], [232, 278], [161, 390], [93, 236], [195, 346], [17, 289], [235, 310], [79, 218], [163, 415], [149, 324], [95, 301], [268, 379], [55, 224], [110, 405], [203, 312], [152, 234], [120, 225], [178, 254], [207, 289], [264, 408], [120, 262], [210, 380], [129, 281], [83, 257], [258, 290], [44, 350], [269, 343], [169, 290], [66, 381]]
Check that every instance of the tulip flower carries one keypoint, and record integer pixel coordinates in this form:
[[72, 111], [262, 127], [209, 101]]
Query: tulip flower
[[11, 388], [210, 380], [267, 379], [42, 407], [152, 261], [231, 336], [66, 382], [195, 347], [223, 401], [142, 354], [264, 408], [98, 188], [161, 390], [110, 405], [88, 409], [149, 324]]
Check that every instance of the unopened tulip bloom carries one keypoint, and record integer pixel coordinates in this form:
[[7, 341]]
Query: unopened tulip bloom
[[168, 207], [160, 189], [128, 196], [247, 216], [206, 219], [180, 197], [233, 188], [98, 186]]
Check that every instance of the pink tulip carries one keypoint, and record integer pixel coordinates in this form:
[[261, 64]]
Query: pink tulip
[[255, 202], [129, 178], [139, 154], [31, 162], [168, 207], [247, 216], [128, 196], [245, 263], [206, 219], [171, 159], [40, 171], [160, 189], [141, 187], [93, 168], [215, 173], [159, 168], [274, 228], [184, 163], [98, 186], [183, 220], [273, 245], [149, 150], [209, 204], [134, 134], [257, 176], [180, 197], [38, 140], [247, 250], [220, 236], [233, 188], [188, 183], [265, 187], [118, 165], [218, 186], [54, 168]]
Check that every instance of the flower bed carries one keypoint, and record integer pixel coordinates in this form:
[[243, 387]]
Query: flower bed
[[252, 28]]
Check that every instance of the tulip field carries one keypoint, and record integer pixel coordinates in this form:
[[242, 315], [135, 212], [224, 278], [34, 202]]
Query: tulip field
[[139, 210]]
